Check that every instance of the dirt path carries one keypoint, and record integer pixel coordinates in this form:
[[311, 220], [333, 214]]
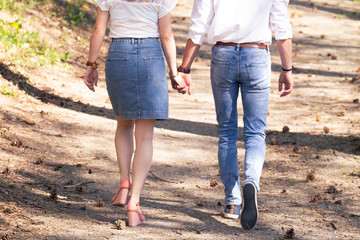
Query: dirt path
[[57, 161]]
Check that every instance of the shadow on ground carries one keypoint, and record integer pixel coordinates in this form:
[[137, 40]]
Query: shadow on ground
[[338, 143]]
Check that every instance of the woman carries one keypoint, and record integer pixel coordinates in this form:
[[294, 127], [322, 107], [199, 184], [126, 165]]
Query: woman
[[136, 83]]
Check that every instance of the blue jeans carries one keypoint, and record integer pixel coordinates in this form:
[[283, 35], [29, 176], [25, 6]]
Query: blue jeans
[[247, 69]]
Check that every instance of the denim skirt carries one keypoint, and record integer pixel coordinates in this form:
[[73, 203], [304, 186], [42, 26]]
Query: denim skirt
[[136, 78]]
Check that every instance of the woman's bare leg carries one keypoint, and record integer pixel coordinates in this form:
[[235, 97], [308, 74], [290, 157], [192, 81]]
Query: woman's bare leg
[[124, 144], [144, 129]]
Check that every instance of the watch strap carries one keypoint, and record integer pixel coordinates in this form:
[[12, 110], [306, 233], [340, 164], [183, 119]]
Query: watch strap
[[183, 70]]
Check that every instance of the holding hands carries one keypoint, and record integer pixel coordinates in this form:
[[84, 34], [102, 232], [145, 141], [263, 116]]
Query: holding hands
[[181, 83]]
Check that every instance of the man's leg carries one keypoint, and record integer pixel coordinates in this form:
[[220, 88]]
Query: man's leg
[[255, 89], [225, 90]]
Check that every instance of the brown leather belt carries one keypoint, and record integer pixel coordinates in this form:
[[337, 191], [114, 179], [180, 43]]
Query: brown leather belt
[[251, 45]]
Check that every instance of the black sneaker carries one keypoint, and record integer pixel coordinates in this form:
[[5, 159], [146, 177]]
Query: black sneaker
[[232, 211], [249, 212]]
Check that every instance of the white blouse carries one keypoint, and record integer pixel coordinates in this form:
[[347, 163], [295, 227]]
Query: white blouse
[[239, 21], [135, 18]]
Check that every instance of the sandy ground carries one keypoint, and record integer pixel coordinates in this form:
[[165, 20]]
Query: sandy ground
[[58, 168]]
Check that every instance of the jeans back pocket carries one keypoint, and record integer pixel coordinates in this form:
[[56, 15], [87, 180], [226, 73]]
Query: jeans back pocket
[[258, 75], [219, 72], [116, 69], [155, 69]]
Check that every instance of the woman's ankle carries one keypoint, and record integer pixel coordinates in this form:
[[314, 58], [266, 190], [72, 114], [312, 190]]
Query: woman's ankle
[[123, 177], [135, 199]]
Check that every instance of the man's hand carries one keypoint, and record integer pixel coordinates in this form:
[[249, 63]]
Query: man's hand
[[177, 82], [285, 79], [187, 79], [91, 78]]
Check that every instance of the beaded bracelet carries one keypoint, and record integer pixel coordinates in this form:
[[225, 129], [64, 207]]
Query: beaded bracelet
[[92, 64], [173, 76]]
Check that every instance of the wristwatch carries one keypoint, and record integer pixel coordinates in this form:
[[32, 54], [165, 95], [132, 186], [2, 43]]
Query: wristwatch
[[183, 70], [288, 70]]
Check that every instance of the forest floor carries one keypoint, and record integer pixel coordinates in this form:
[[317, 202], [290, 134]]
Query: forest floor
[[58, 169]]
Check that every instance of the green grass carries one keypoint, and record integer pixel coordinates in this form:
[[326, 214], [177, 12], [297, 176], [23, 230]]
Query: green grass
[[26, 48], [75, 14], [7, 92], [19, 6], [341, 16], [73, 11], [7, 4]]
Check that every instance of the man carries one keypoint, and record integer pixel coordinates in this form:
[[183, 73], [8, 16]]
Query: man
[[241, 32]]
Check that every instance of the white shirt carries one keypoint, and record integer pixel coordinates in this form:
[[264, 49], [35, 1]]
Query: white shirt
[[135, 18], [239, 21]]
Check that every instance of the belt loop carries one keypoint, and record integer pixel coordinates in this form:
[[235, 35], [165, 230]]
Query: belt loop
[[132, 41], [237, 46]]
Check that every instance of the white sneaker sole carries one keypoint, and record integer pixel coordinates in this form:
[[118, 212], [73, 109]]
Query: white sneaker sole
[[228, 215]]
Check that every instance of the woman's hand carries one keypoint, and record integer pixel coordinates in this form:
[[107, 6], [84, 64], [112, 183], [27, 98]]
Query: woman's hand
[[91, 78], [179, 84]]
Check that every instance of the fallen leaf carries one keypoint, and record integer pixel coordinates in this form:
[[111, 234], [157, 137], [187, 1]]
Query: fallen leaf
[[315, 198], [326, 130], [296, 149], [331, 190], [53, 195], [354, 79], [29, 122], [4, 130], [332, 224], [290, 233], [286, 129], [273, 141], [100, 203], [342, 113], [6, 171], [310, 176], [16, 143], [120, 224], [213, 183], [39, 161]]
